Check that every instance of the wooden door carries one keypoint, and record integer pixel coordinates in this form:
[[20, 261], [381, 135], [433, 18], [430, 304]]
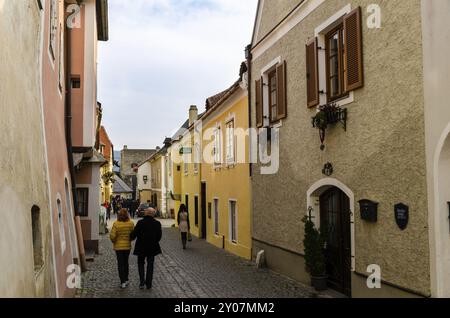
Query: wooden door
[[335, 223]]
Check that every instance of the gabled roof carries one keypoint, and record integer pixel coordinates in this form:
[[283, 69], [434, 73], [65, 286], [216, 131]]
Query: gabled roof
[[120, 186], [211, 101]]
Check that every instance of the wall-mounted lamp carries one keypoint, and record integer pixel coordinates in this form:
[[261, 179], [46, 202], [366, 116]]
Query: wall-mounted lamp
[[145, 178]]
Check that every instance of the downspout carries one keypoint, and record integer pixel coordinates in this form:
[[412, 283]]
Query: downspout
[[68, 115], [248, 56]]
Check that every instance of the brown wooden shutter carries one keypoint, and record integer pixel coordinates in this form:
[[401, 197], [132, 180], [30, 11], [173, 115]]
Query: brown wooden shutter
[[281, 91], [312, 73], [259, 103], [353, 59]]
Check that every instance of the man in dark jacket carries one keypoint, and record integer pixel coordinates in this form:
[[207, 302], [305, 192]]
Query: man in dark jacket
[[148, 233]]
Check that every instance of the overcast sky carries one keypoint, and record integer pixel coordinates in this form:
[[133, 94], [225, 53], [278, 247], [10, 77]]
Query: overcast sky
[[162, 57]]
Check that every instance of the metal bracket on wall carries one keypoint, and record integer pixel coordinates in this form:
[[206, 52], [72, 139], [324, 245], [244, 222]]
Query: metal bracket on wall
[[448, 210]]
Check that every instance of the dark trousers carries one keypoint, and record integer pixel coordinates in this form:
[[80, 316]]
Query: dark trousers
[[146, 278], [123, 266], [184, 239]]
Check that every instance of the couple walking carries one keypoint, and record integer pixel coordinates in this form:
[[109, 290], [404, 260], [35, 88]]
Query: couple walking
[[147, 234]]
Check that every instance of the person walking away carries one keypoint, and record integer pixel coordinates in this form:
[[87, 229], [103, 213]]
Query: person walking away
[[184, 224], [108, 212], [120, 236], [148, 233]]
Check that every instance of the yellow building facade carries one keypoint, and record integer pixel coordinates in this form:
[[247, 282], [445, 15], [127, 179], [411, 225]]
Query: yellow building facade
[[173, 167], [190, 175], [225, 172]]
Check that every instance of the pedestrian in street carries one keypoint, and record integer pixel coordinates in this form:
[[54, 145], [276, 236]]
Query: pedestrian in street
[[148, 233], [184, 224], [108, 212], [120, 236]]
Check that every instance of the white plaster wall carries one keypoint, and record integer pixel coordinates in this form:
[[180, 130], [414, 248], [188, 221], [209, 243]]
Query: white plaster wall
[[23, 179], [90, 80], [144, 170], [436, 63]]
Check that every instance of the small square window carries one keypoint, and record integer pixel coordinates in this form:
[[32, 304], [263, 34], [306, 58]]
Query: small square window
[[76, 82]]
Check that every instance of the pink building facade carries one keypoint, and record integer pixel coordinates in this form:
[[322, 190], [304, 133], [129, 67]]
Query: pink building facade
[[86, 113]]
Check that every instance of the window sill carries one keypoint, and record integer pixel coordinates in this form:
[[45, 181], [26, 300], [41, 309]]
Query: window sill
[[346, 100], [231, 165]]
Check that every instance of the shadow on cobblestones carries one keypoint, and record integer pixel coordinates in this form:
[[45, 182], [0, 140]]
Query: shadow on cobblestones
[[202, 271]]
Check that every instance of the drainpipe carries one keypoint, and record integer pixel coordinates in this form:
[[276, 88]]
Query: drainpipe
[[68, 115], [248, 56]]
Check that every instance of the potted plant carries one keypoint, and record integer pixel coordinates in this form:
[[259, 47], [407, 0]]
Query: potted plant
[[314, 244], [327, 115]]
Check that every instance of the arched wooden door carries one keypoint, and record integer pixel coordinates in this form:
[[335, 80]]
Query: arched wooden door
[[335, 223]]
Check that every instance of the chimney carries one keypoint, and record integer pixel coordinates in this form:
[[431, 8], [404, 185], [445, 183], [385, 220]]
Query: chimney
[[125, 147], [193, 114]]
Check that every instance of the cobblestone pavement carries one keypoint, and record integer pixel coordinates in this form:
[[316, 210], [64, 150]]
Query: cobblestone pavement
[[201, 271]]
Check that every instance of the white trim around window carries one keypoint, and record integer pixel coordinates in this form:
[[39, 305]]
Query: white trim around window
[[233, 220], [230, 141], [320, 33], [265, 76], [216, 216], [218, 144]]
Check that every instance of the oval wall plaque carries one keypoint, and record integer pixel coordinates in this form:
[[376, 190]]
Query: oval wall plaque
[[402, 215]]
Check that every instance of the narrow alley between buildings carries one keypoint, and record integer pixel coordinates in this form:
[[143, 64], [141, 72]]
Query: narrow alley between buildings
[[201, 271]]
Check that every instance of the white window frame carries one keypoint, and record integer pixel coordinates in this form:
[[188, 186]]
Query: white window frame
[[218, 157], [266, 91], [197, 157], [320, 32], [62, 230], [230, 147], [216, 216], [53, 30], [230, 204]]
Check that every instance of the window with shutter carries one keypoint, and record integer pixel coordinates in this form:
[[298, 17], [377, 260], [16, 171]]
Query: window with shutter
[[259, 103], [273, 96], [281, 94], [312, 76], [334, 63], [353, 50]]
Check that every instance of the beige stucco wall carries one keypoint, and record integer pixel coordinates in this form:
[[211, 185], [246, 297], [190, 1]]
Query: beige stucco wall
[[381, 156], [23, 179], [436, 37], [273, 11]]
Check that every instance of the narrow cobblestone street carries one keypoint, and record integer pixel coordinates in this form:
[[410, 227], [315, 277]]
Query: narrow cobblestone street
[[202, 271]]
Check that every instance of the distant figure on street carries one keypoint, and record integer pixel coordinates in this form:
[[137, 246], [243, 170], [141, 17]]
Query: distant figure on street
[[148, 233], [184, 224], [108, 211], [120, 236]]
